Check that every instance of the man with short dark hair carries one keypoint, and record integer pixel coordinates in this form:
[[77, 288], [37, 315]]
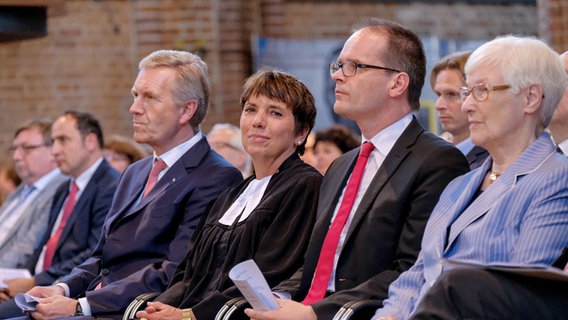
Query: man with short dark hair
[[366, 236], [446, 79], [79, 208]]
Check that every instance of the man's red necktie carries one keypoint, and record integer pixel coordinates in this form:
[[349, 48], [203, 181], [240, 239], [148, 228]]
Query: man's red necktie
[[54, 239], [158, 166], [329, 247]]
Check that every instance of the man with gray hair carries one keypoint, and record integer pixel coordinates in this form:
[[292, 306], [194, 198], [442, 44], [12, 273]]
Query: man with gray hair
[[159, 199]]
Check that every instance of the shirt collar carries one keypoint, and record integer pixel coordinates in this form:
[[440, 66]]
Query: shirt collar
[[85, 177], [45, 181], [386, 138], [465, 146], [171, 156]]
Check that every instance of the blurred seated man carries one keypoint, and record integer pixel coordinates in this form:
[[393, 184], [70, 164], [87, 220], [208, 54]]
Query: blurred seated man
[[159, 200], [446, 79], [332, 142], [121, 152], [24, 215], [225, 138], [79, 208]]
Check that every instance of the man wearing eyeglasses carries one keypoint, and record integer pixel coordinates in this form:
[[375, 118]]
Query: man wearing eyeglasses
[[24, 215], [375, 200], [446, 79]]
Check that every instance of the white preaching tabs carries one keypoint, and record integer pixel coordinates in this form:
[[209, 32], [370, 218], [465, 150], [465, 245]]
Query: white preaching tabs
[[252, 284]]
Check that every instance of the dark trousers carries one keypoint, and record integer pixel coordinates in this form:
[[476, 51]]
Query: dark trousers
[[476, 293], [9, 309]]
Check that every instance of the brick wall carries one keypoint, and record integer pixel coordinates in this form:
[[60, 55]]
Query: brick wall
[[89, 59], [553, 23]]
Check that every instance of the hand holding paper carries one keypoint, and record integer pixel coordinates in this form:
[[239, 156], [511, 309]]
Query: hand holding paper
[[252, 284]]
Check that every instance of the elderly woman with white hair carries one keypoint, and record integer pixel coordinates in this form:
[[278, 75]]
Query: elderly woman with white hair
[[514, 208]]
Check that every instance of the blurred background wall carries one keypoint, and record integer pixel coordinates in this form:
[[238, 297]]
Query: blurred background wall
[[88, 58]]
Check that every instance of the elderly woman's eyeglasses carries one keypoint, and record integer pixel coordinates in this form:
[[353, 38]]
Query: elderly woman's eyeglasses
[[480, 91], [349, 68]]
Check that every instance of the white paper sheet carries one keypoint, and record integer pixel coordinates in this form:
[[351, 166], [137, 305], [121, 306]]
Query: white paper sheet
[[9, 273], [252, 284]]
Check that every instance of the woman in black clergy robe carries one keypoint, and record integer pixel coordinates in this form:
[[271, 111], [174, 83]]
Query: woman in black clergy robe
[[268, 217]]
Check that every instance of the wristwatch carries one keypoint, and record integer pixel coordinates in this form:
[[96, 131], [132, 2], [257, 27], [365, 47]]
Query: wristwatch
[[78, 310]]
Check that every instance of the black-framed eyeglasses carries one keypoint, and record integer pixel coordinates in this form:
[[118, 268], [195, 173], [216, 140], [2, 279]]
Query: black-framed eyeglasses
[[26, 148], [349, 68], [480, 91]]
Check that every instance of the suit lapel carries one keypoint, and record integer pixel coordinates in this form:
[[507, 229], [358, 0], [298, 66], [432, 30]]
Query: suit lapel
[[538, 152], [81, 205], [180, 169], [334, 182], [389, 167]]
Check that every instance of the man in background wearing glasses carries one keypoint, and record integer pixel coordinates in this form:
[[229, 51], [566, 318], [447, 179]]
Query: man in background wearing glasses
[[379, 76], [24, 215]]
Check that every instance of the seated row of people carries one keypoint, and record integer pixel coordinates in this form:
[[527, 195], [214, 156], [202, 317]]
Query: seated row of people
[[354, 235], [55, 217]]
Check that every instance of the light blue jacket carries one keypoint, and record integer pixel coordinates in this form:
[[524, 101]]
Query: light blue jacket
[[30, 227], [521, 219]]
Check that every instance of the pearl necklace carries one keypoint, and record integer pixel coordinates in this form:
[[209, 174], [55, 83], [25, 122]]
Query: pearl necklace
[[493, 176]]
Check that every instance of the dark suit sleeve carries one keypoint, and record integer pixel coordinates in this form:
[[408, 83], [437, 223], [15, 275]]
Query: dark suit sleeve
[[174, 294], [437, 170], [100, 201], [476, 293]]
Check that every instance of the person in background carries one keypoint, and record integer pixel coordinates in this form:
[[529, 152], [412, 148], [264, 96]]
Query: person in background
[[272, 212], [9, 179], [78, 210], [332, 142], [511, 210], [375, 200], [121, 152], [446, 78], [225, 138], [309, 156], [24, 215], [159, 200], [558, 126]]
